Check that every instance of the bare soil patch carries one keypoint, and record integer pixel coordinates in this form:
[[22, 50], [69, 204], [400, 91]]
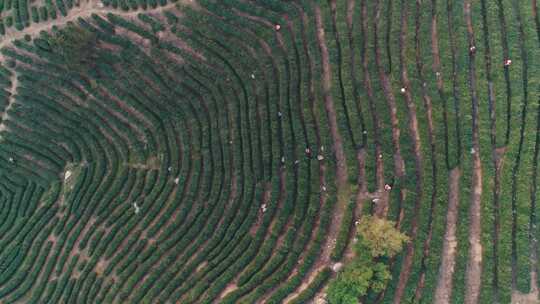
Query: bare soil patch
[[443, 290], [341, 166], [525, 298]]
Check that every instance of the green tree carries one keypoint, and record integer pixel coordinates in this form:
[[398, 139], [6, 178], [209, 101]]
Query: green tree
[[380, 237], [76, 46], [378, 241]]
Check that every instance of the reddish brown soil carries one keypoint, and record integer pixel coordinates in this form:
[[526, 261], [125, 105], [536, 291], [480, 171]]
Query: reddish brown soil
[[381, 207], [426, 97], [474, 265], [414, 134], [443, 291], [341, 166]]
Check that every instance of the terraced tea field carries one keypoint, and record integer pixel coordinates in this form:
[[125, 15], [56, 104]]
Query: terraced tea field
[[224, 151]]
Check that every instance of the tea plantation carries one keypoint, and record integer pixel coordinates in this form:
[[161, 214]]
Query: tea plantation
[[228, 151]]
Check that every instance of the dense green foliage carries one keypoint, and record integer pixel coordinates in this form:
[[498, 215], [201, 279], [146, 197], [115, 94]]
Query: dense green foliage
[[76, 46], [377, 242]]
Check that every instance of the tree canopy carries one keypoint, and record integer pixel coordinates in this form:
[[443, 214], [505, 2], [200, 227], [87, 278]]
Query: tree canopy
[[76, 46], [377, 241]]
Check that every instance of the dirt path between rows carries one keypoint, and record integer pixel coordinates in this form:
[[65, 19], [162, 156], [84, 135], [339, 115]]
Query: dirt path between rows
[[11, 100], [497, 154], [312, 274], [443, 289], [426, 97], [341, 169], [414, 134], [473, 273], [399, 164], [85, 9], [381, 208], [525, 298], [341, 166], [386, 86], [324, 260]]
